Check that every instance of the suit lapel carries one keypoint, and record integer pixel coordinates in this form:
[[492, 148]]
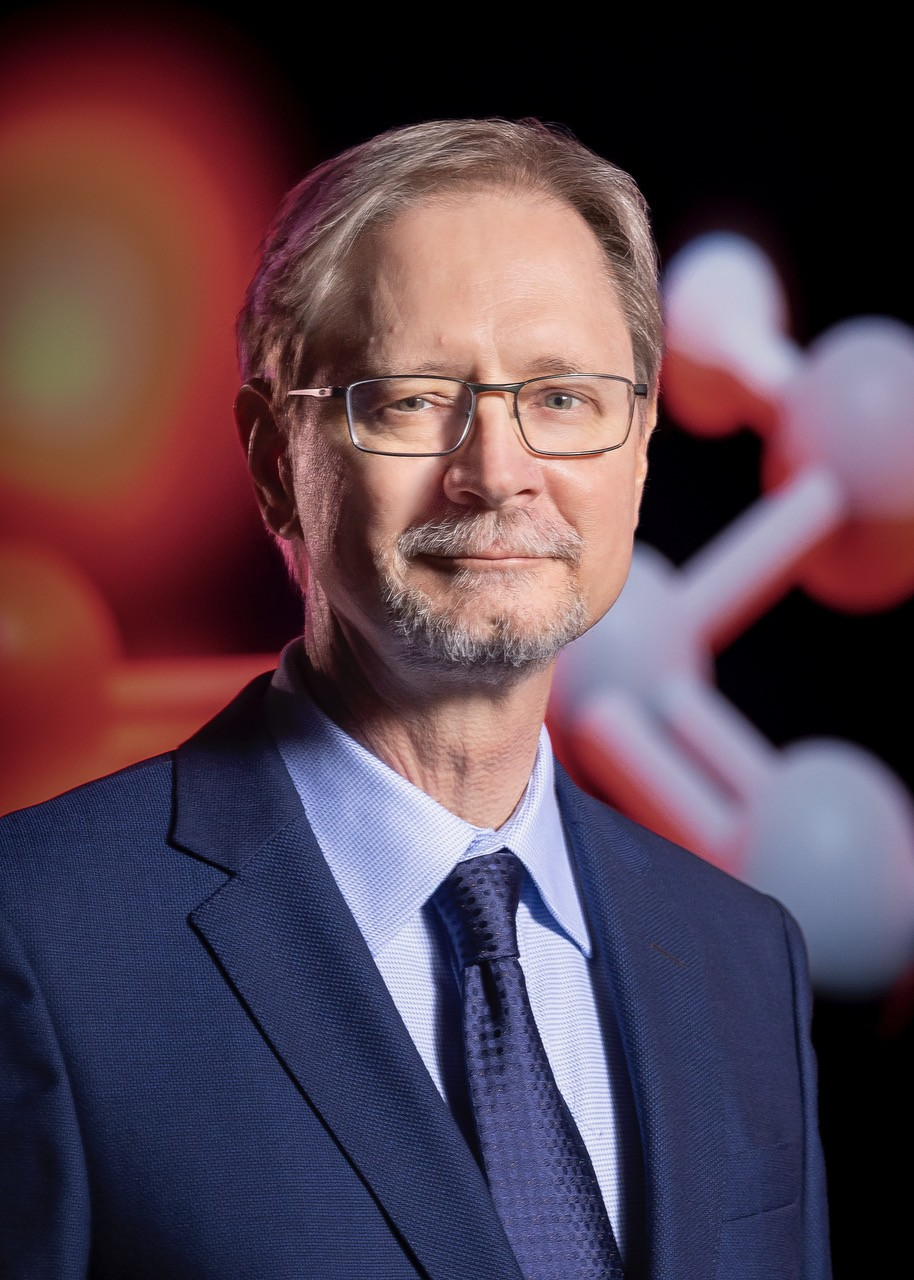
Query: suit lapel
[[283, 936], [648, 948]]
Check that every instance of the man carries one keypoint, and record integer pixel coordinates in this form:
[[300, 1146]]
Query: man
[[264, 1013]]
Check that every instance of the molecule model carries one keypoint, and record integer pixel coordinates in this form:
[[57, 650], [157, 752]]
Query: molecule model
[[822, 824]]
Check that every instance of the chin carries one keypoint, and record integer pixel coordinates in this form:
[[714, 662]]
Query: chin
[[457, 647]]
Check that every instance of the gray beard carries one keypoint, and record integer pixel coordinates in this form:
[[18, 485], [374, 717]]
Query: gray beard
[[431, 641]]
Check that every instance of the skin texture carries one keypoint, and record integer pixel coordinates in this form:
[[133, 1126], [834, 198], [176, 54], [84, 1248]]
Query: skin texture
[[493, 287]]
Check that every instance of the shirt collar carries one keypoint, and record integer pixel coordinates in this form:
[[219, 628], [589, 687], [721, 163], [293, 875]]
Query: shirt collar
[[388, 844]]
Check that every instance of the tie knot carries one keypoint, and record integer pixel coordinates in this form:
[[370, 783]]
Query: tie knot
[[478, 902]]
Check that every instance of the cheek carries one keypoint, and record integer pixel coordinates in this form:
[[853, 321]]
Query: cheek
[[320, 483], [353, 506], [606, 517], [386, 496]]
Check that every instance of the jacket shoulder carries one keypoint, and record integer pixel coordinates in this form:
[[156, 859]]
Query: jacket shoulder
[[128, 797], [78, 835], [108, 797]]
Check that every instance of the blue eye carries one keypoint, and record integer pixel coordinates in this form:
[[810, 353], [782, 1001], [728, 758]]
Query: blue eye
[[559, 400]]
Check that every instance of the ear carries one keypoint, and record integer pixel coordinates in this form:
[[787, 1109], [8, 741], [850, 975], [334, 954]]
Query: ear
[[645, 431], [265, 447]]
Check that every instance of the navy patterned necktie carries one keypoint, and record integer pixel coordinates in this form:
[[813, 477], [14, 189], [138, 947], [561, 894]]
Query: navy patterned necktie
[[538, 1169]]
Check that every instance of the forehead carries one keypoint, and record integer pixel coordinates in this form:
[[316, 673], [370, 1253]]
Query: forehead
[[485, 274]]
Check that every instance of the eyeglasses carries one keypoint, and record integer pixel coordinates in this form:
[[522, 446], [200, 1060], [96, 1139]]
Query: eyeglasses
[[419, 416]]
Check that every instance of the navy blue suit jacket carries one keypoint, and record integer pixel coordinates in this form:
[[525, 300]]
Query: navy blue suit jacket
[[203, 1076]]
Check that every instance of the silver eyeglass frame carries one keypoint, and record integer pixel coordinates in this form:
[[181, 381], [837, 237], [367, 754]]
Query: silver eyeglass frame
[[639, 389]]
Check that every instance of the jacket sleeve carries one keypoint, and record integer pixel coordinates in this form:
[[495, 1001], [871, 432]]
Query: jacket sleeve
[[44, 1198]]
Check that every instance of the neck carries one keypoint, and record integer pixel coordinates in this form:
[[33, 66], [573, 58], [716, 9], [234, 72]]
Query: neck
[[470, 745]]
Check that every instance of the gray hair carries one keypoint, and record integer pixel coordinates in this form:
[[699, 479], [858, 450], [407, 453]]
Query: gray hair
[[300, 292]]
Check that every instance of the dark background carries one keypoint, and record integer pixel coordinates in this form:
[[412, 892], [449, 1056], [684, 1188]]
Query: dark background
[[800, 138]]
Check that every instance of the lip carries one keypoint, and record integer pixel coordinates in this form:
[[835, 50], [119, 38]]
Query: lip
[[486, 559]]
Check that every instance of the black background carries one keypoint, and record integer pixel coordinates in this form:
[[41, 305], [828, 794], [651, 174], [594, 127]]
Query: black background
[[800, 137]]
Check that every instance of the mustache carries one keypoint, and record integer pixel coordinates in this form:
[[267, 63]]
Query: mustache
[[512, 532]]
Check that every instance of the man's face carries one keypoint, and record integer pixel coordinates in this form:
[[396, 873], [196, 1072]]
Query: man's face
[[492, 557]]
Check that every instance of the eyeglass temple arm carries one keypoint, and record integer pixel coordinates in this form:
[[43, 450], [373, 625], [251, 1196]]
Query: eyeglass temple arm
[[320, 393]]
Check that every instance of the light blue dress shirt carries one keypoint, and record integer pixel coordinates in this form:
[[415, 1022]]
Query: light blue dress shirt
[[389, 847]]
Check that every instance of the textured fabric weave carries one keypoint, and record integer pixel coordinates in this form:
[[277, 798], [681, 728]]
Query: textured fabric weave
[[539, 1173]]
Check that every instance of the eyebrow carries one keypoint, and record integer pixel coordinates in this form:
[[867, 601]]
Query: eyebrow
[[542, 365]]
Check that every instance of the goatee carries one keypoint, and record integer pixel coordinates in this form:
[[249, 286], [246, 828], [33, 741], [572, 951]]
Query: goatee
[[499, 647]]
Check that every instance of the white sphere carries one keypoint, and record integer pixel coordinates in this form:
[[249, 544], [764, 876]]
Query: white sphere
[[850, 408], [831, 835], [724, 306]]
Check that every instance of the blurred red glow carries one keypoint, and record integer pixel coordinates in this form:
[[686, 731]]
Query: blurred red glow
[[141, 164]]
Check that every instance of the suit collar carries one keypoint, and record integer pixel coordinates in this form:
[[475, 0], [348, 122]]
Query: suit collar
[[232, 791]]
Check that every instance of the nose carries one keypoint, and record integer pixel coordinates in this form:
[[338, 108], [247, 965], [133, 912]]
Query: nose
[[493, 467]]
